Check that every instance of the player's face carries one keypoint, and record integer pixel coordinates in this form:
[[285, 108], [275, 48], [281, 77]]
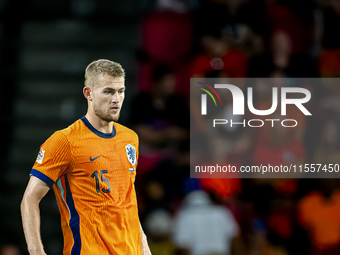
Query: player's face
[[108, 96]]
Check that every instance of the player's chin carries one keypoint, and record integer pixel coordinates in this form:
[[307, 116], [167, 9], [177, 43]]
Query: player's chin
[[115, 116]]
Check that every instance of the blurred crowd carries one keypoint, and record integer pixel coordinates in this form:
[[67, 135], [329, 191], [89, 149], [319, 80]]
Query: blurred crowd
[[238, 38]]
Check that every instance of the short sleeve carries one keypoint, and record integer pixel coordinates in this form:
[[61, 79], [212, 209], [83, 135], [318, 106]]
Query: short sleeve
[[54, 159]]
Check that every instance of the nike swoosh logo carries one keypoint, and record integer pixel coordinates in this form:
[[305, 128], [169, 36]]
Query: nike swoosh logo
[[93, 159]]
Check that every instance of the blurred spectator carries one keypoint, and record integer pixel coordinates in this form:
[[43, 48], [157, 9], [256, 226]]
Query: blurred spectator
[[319, 212], [293, 17], [167, 34], [329, 23], [267, 222], [233, 21], [171, 174], [218, 60], [158, 228], [328, 149], [203, 228], [281, 59], [160, 118], [330, 63], [222, 187], [166, 39], [153, 197], [328, 142]]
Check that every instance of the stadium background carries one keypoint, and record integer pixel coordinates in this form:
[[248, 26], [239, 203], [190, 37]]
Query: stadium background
[[45, 47]]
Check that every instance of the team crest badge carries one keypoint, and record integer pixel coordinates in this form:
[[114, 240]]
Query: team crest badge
[[131, 154], [40, 156]]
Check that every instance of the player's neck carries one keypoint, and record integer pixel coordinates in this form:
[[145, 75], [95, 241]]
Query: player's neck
[[99, 124]]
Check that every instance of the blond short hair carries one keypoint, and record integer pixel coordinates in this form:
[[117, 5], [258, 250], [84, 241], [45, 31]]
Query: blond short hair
[[102, 67]]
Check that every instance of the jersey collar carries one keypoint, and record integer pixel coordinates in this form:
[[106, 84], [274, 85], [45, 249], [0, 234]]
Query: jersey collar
[[97, 132]]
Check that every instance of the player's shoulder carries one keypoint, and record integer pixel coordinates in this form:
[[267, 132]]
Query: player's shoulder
[[73, 129], [68, 132], [120, 129]]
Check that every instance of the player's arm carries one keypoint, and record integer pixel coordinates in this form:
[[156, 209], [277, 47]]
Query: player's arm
[[30, 213], [145, 246]]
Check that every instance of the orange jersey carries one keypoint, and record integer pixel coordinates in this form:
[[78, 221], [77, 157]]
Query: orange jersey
[[93, 174]]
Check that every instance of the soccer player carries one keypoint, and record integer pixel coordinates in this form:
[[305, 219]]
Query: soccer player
[[91, 166]]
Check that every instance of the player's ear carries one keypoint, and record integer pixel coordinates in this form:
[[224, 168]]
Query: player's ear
[[87, 93]]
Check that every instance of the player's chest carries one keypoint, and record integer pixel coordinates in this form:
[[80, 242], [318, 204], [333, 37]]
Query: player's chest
[[118, 158]]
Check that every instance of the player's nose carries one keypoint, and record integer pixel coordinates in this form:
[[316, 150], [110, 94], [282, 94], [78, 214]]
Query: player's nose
[[115, 98]]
